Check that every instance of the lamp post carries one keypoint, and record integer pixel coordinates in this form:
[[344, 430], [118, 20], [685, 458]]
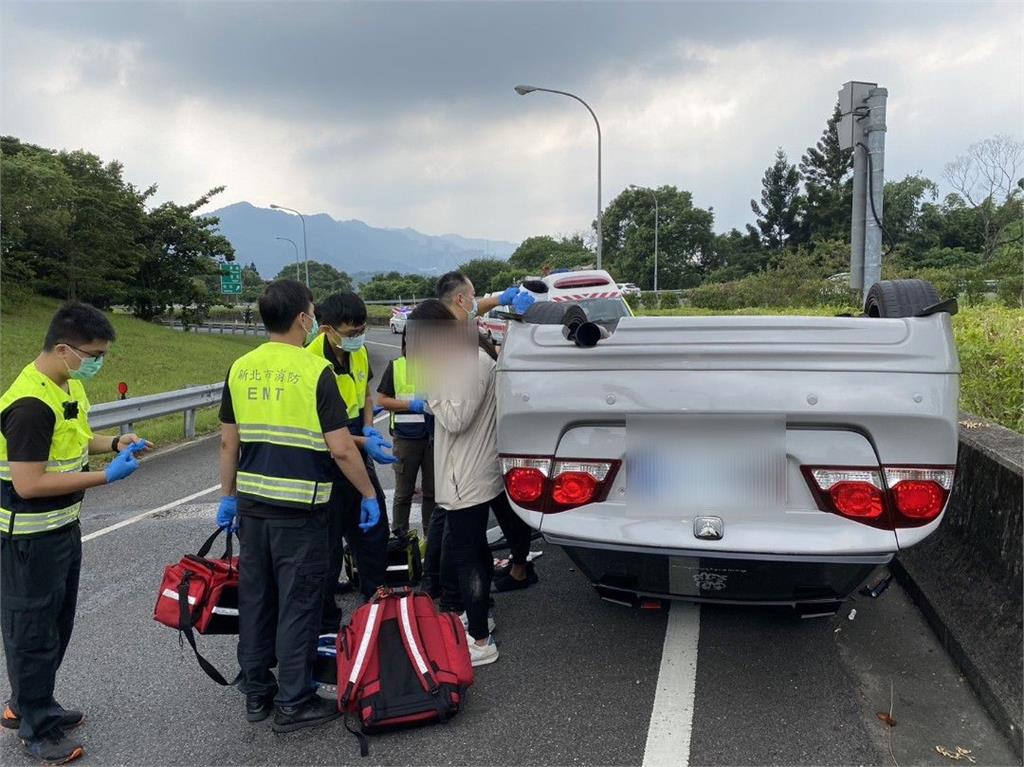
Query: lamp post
[[655, 197], [298, 263], [522, 90], [305, 248]]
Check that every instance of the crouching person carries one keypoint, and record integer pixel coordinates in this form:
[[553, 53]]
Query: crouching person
[[284, 430]]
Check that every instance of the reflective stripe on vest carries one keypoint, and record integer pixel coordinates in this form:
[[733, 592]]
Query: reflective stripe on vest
[[69, 451], [403, 390], [284, 459], [352, 384]]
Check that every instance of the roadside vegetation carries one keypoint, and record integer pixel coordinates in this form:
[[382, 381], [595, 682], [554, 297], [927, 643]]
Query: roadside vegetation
[[148, 357]]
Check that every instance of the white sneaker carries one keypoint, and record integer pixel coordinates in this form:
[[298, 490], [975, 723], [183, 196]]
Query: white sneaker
[[482, 655], [490, 621]]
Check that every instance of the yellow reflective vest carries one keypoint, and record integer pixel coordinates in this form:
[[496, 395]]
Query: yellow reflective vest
[[69, 451], [409, 425], [352, 384], [283, 460]]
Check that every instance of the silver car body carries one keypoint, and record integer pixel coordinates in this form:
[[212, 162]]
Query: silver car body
[[819, 391]]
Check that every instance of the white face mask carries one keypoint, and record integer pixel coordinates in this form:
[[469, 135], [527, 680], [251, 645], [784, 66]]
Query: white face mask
[[472, 312]]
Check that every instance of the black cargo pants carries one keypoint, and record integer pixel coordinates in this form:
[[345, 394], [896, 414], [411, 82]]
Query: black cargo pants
[[282, 567], [369, 548], [38, 596]]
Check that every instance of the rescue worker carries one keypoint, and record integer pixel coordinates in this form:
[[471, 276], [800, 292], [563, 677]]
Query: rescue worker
[[342, 343], [284, 436], [413, 433], [45, 444]]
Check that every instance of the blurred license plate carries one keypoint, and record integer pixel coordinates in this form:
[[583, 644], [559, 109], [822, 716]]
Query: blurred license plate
[[692, 464]]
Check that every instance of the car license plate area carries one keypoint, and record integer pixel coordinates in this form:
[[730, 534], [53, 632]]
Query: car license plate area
[[690, 465]]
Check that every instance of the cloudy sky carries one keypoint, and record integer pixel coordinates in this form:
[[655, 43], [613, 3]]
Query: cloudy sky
[[404, 114]]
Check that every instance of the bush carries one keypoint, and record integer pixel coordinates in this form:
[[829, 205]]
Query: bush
[[649, 300], [990, 340], [669, 301], [1011, 291]]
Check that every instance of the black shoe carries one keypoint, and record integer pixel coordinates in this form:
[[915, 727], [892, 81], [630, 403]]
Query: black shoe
[[258, 706], [505, 581], [53, 748], [69, 719], [313, 713]]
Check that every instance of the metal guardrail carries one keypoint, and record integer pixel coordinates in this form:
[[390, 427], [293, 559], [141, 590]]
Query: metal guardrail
[[232, 328], [123, 413]]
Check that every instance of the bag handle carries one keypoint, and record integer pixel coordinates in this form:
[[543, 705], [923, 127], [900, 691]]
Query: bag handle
[[205, 548], [185, 624]]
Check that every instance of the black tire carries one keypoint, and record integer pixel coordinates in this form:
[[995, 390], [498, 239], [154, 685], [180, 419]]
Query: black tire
[[900, 298]]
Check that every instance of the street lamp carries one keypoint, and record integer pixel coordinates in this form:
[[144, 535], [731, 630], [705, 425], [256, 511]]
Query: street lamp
[[298, 263], [522, 90], [645, 189], [305, 249]]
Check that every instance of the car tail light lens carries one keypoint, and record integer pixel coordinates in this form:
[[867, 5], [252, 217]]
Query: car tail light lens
[[901, 497], [919, 494], [551, 485]]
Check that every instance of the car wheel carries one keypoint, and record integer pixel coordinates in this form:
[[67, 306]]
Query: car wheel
[[900, 298]]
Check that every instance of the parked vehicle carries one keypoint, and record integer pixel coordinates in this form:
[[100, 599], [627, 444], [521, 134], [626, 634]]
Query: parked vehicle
[[593, 290], [492, 326], [397, 321], [629, 289], [768, 460]]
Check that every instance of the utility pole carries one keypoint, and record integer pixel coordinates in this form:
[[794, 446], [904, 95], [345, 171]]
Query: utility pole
[[876, 184]]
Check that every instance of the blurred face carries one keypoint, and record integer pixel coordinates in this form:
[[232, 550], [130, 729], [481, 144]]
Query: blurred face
[[441, 358]]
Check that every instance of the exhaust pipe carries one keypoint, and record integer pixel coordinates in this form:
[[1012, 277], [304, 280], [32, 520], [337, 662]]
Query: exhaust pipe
[[585, 334]]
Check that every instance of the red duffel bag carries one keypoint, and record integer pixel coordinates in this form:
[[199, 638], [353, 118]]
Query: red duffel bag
[[201, 594]]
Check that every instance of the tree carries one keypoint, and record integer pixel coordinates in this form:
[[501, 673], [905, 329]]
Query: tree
[[988, 179], [324, 279], [904, 202], [828, 185], [778, 214], [535, 254], [252, 283], [736, 255], [481, 271], [180, 250], [685, 237], [394, 286]]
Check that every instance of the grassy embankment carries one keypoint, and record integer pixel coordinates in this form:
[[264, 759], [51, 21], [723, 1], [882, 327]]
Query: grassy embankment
[[990, 341], [149, 358]]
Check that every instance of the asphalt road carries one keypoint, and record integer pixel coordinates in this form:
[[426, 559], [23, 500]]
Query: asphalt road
[[579, 681]]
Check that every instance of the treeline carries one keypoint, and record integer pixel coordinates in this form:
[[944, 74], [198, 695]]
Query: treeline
[[72, 227]]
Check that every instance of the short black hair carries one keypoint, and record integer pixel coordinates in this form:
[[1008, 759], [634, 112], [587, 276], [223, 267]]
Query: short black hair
[[78, 324], [449, 284], [431, 309], [344, 308], [282, 302]]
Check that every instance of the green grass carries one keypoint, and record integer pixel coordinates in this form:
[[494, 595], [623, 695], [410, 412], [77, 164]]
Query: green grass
[[148, 357], [989, 339]]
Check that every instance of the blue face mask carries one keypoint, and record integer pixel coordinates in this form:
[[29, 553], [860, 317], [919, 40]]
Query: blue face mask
[[88, 368], [472, 312], [313, 331], [353, 344]]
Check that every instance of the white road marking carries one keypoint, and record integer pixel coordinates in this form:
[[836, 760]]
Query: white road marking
[[668, 735], [382, 416], [150, 513]]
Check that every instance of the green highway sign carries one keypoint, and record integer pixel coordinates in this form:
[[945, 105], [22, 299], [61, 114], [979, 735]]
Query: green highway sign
[[231, 279]]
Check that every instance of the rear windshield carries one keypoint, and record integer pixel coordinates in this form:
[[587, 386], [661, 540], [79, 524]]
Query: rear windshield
[[603, 309]]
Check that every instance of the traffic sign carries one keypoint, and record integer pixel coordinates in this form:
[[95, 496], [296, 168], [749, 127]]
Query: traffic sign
[[231, 279]]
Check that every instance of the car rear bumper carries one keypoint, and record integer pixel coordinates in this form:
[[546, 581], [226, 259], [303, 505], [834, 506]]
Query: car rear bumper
[[740, 578]]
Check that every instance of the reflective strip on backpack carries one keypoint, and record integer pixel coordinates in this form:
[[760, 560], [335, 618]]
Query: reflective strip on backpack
[[410, 638], [410, 418], [364, 645], [301, 491], [29, 522], [288, 436], [172, 594]]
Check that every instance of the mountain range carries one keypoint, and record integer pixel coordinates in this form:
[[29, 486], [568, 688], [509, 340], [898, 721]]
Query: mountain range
[[351, 246]]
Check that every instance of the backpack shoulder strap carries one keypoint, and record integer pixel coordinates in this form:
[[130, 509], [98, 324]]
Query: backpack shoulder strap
[[366, 644], [413, 643], [185, 622]]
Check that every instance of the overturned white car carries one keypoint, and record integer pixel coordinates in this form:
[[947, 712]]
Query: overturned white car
[[769, 460]]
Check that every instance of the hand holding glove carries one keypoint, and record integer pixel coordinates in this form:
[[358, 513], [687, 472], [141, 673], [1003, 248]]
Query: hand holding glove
[[125, 463], [375, 447], [508, 296], [417, 406], [369, 514], [523, 301], [227, 512]]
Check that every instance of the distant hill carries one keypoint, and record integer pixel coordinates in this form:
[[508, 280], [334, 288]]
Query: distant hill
[[352, 246]]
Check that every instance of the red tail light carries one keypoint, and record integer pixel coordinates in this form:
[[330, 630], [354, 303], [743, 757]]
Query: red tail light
[[905, 497], [551, 485]]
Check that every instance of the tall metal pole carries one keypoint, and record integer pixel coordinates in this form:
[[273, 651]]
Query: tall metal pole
[[522, 90], [305, 248], [860, 187], [298, 264], [876, 168], [655, 197]]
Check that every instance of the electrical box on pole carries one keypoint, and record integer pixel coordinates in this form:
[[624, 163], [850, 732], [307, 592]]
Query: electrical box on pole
[[862, 129]]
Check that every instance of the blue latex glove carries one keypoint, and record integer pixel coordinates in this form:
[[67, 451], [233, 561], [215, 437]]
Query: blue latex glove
[[227, 512], [369, 514], [508, 296], [523, 301], [125, 463], [375, 447], [369, 431], [417, 406]]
